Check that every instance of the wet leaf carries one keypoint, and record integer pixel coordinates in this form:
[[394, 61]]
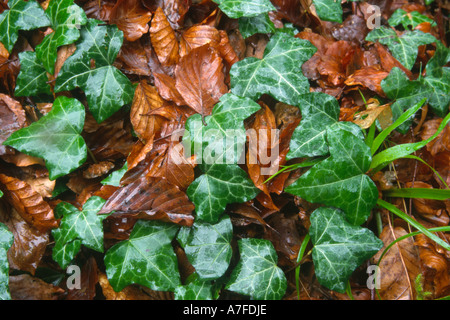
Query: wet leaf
[[22, 15], [407, 19], [257, 24], [257, 273], [197, 36], [65, 149], [147, 258], [339, 247], [78, 227], [6, 241], [241, 8], [278, 73], [66, 19], [26, 287], [12, 118], [163, 39], [130, 17], [32, 79]]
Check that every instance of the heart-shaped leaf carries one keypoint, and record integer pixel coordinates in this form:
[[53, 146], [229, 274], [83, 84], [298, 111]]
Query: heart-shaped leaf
[[339, 247], [340, 180], [22, 15], [90, 68], [257, 273], [208, 247], [66, 18], [146, 258], [55, 138], [6, 241], [278, 73], [76, 228]]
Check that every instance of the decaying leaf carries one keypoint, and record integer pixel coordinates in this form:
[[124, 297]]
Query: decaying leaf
[[131, 17], [163, 39], [26, 287], [12, 118]]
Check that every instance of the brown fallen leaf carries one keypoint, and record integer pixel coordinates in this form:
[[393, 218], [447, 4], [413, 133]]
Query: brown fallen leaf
[[28, 203], [151, 199], [373, 111], [399, 267], [88, 282], [130, 17], [200, 79], [12, 118], [163, 39], [26, 287], [368, 77], [29, 243], [197, 36], [167, 90], [99, 9], [96, 170]]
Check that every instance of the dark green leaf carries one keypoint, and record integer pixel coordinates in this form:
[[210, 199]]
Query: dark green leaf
[[106, 88], [76, 228], [279, 73], [114, 178], [55, 138], [329, 10], [339, 247], [22, 15], [6, 241], [408, 19], [257, 274], [66, 18], [146, 258], [196, 289], [257, 24], [244, 8], [319, 112], [32, 79], [340, 180], [208, 247]]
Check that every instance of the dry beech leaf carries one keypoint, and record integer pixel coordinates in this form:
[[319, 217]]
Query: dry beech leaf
[[435, 265], [26, 287], [12, 118], [399, 267], [99, 9], [134, 58], [200, 79], [131, 17], [442, 142], [368, 77], [38, 179], [366, 118], [226, 50], [163, 39], [29, 243], [151, 199], [146, 98], [167, 90], [96, 170], [197, 36], [28, 203], [88, 281]]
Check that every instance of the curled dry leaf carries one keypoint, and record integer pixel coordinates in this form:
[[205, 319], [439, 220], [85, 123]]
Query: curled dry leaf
[[96, 170], [197, 36], [435, 264], [28, 203], [99, 9], [26, 287], [131, 17], [368, 77], [399, 267], [373, 111], [167, 90], [29, 243], [163, 39], [200, 79], [151, 199], [12, 118], [226, 49]]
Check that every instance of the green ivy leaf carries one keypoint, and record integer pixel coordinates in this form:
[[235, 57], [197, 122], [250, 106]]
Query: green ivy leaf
[[278, 73], [76, 228], [258, 24], [55, 138], [22, 15], [207, 247], [6, 241], [340, 180], [339, 247], [257, 273], [220, 185], [408, 19], [32, 79], [196, 289], [403, 48], [66, 18], [106, 88], [244, 8], [329, 10], [146, 258], [319, 112]]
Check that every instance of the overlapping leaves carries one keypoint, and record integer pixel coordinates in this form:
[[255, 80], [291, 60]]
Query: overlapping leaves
[[6, 241], [90, 68]]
